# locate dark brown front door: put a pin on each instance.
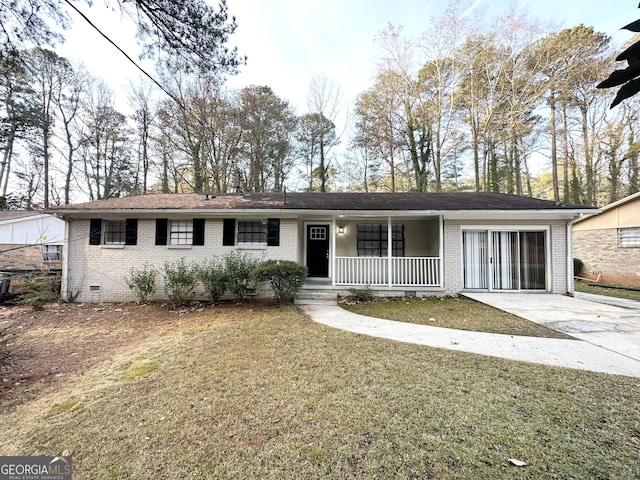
(318, 250)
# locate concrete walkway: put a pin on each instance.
(548, 351)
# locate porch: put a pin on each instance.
(376, 252)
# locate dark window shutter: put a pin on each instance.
(95, 231)
(273, 232)
(131, 231)
(229, 232)
(198, 231)
(162, 225)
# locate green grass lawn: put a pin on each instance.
(457, 312)
(263, 392)
(587, 287)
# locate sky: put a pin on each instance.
(287, 42)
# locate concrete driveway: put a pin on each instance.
(614, 325)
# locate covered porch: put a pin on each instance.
(375, 251)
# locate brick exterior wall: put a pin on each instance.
(104, 267)
(600, 253)
(557, 246)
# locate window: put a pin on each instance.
(52, 253)
(373, 240)
(252, 231)
(181, 232)
(629, 237)
(318, 233)
(114, 232)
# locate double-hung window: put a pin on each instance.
(181, 232)
(114, 232)
(252, 231)
(629, 237)
(373, 240)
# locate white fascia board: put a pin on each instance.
(514, 214)
(25, 218)
(286, 213)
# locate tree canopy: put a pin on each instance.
(187, 35)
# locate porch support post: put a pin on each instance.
(332, 252)
(389, 252)
(441, 253)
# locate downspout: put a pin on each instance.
(64, 284)
(570, 287)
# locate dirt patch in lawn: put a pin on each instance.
(65, 340)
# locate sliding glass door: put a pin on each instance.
(504, 260)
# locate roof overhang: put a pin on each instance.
(569, 214)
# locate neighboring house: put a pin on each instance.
(416, 243)
(30, 241)
(609, 243)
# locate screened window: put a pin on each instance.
(629, 237)
(181, 232)
(252, 231)
(115, 232)
(373, 240)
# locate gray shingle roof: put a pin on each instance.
(437, 201)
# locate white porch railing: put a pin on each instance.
(374, 271)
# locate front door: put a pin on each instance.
(318, 250)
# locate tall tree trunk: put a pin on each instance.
(588, 159)
(476, 154)
(45, 159)
(566, 194)
(554, 154)
(5, 167)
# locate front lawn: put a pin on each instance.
(452, 312)
(262, 392)
(618, 291)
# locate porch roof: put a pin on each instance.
(307, 202)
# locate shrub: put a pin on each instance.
(285, 277)
(238, 267)
(39, 290)
(361, 295)
(180, 280)
(214, 279)
(142, 281)
(578, 265)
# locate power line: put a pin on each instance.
(108, 39)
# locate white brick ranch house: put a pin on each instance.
(423, 243)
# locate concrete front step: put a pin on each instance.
(310, 297)
(311, 301)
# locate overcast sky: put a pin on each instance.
(287, 42)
